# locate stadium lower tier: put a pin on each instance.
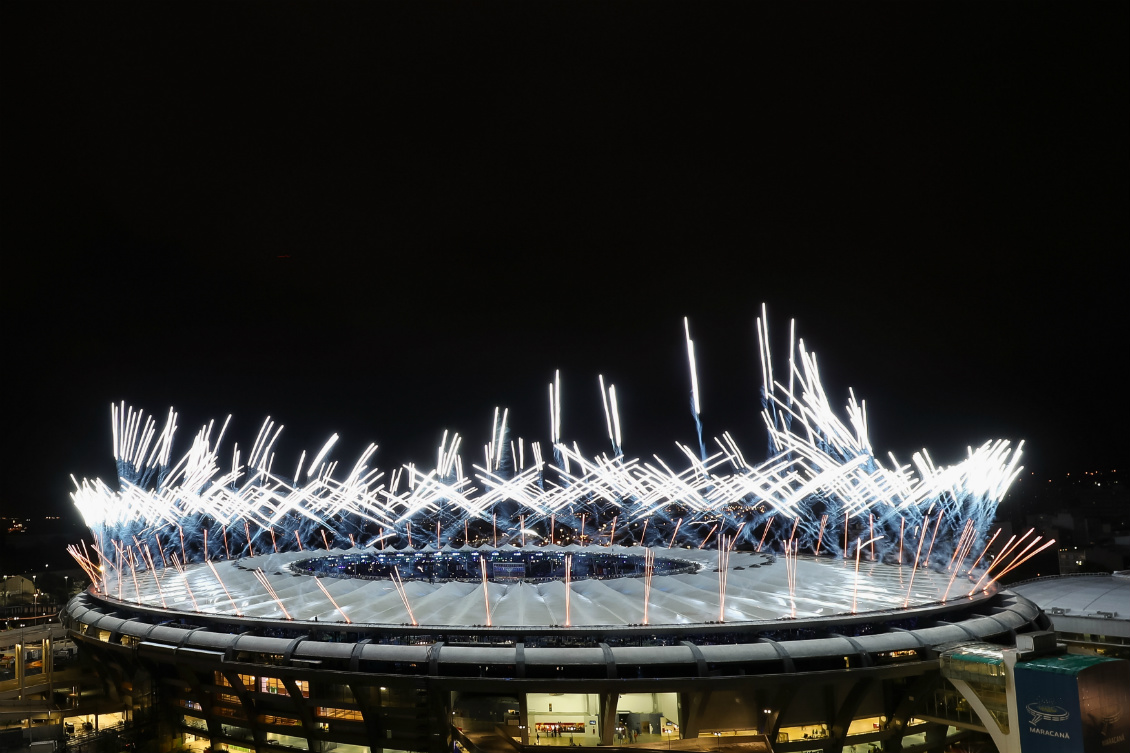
(805, 684)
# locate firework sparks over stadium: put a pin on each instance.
(823, 492)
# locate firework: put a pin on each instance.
(821, 472)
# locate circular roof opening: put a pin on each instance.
(500, 566)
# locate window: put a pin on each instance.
(233, 713)
(272, 685)
(332, 713)
(276, 686)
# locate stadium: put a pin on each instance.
(800, 603)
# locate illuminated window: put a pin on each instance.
(280, 720)
(332, 713)
(272, 685)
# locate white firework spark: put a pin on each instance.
(822, 473)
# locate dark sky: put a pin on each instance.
(386, 222)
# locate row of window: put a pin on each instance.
(272, 685)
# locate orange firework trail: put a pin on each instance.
(734, 539)
(932, 538)
(1018, 562)
(649, 571)
(790, 569)
(180, 567)
(164, 562)
(226, 591)
(960, 542)
(399, 584)
(963, 549)
(486, 593)
(83, 562)
(902, 524)
(723, 568)
(871, 523)
(921, 537)
(262, 578)
(983, 551)
(568, 588)
(153, 569)
(819, 538)
(1005, 551)
(675, 533)
(765, 533)
(331, 598)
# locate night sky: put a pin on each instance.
(385, 223)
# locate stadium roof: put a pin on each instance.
(1089, 604)
(757, 590)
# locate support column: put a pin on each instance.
(691, 705)
(781, 701)
(841, 718)
(304, 712)
(49, 665)
(935, 738)
(368, 698)
(20, 670)
(523, 718)
(440, 738)
(608, 702)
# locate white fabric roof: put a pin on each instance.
(824, 587)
